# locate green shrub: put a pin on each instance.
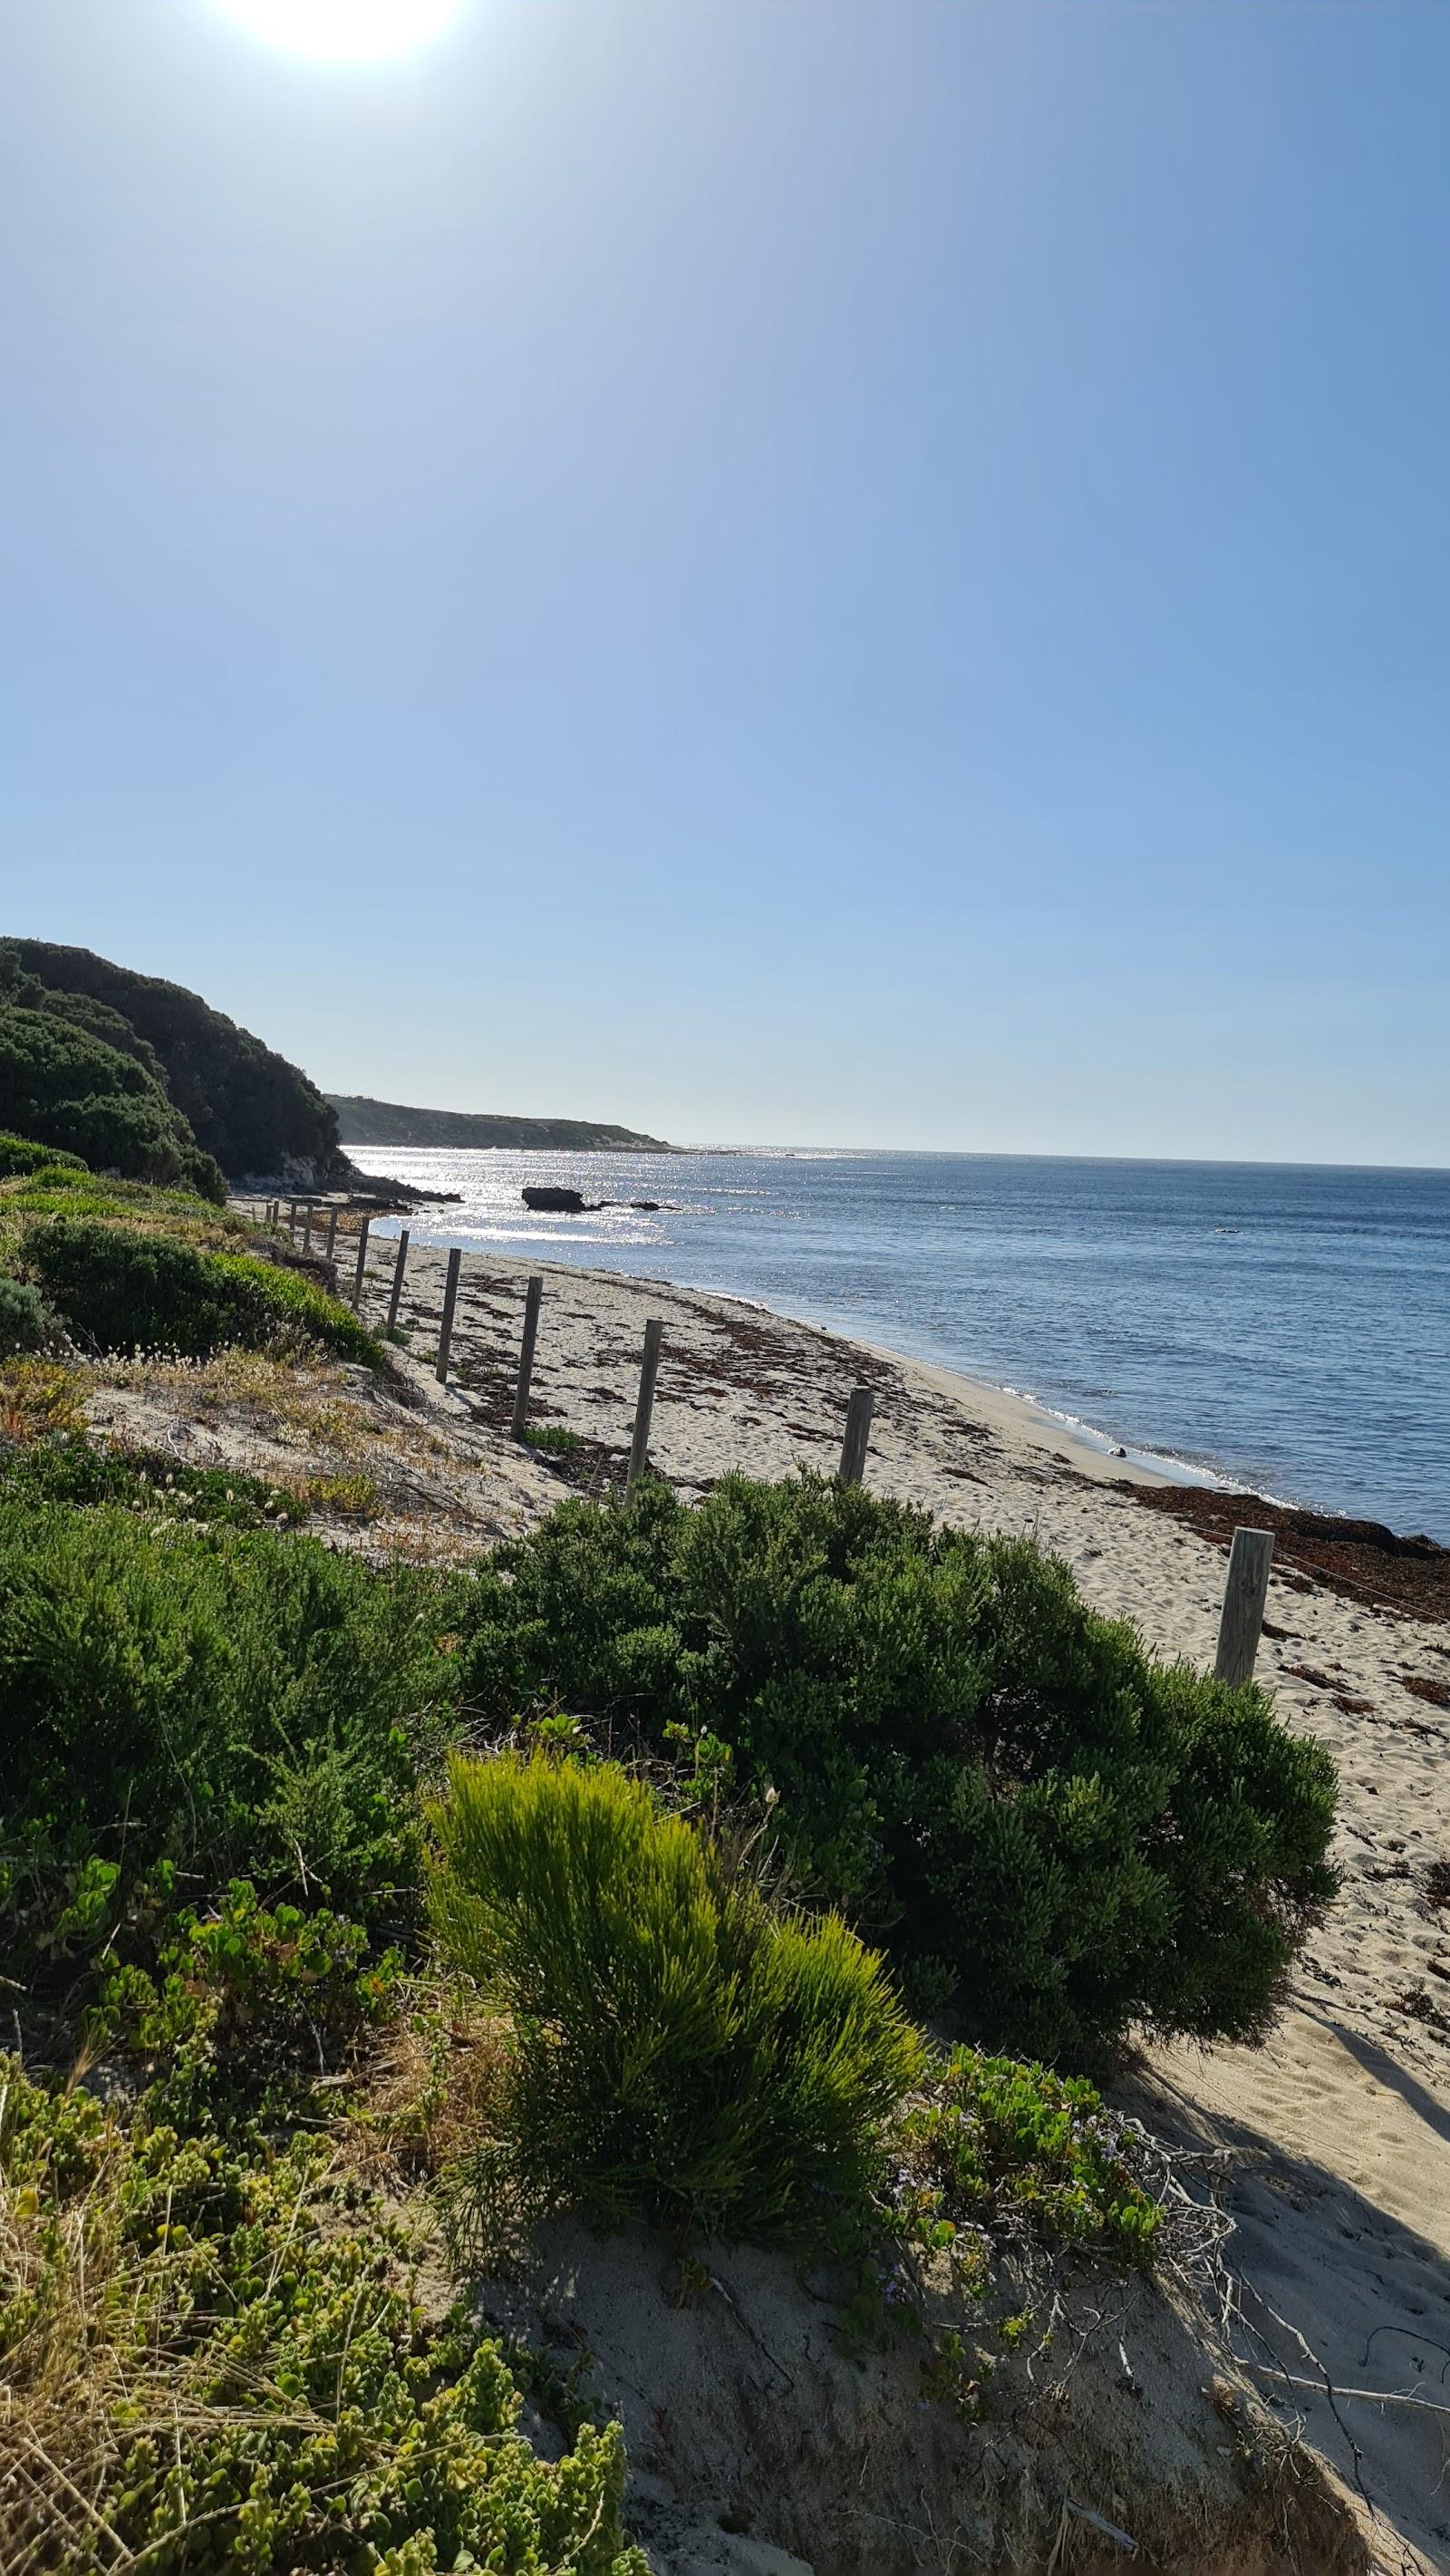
(215, 2359)
(680, 2051)
(66, 1470)
(22, 1154)
(203, 1173)
(23, 1321)
(246, 2005)
(63, 1087)
(222, 1703)
(999, 2142)
(1051, 1829)
(128, 1291)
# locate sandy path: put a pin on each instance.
(1340, 2124)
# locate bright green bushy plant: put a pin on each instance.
(128, 1291)
(1054, 1832)
(228, 1704)
(215, 2360)
(681, 2051)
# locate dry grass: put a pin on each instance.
(438, 2083)
(306, 1399)
(39, 1398)
(64, 2276)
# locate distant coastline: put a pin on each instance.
(1222, 1323)
(363, 1121)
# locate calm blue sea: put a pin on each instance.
(1287, 1328)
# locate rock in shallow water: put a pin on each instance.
(554, 1202)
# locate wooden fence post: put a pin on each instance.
(292, 1218)
(399, 1266)
(858, 1435)
(307, 1229)
(362, 1263)
(649, 1371)
(533, 1298)
(331, 1232)
(1244, 1596)
(450, 1300)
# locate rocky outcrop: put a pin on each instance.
(554, 1202)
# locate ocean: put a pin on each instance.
(1285, 1328)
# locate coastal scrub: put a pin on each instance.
(1054, 1833)
(128, 1291)
(681, 2051)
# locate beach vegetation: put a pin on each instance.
(69, 1189)
(554, 1439)
(197, 1704)
(24, 1322)
(1056, 1835)
(681, 2050)
(40, 1399)
(122, 1290)
(21, 1154)
(993, 2143)
(216, 2358)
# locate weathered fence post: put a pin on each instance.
(1244, 1596)
(450, 1300)
(399, 1266)
(331, 1231)
(272, 1207)
(292, 1218)
(649, 1371)
(533, 1297)
(307, 1229)
(858, 1435)
(362, 1264)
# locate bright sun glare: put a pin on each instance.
(343, 30)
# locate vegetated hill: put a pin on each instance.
(245, 1104)
(386, 1122)
(61, 1087)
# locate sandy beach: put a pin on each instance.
(1338, 2127)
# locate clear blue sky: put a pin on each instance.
(863, 571)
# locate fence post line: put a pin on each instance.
(649, 1371)
(533, 1297)
(858, 1434)
(399, 1266)
(331, 1232)
(1244, 1596)
(362, 1264)
(450, 1300)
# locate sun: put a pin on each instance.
(343, 30)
